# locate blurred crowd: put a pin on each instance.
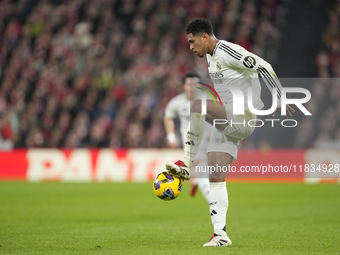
(99, 73)
(322, 130)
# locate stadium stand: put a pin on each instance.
(99, 73)
(323, 129)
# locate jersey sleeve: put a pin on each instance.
(237, 57)
(170, 109)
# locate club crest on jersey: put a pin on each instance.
(249, 62)
(218, 65)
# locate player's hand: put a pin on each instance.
(289, 111)
(172, 141)
(173, 145)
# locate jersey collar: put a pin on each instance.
(218, 44)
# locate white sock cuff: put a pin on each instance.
(195, 116)
(217, 185)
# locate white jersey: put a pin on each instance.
(232, 65)
(179, 106)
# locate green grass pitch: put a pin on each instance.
(127, 218)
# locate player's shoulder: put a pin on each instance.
(230, 49)
(180, 98)
(229, 45)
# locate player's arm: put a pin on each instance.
(266, 71)
(170, 132)
(269, 76)
(169, 125)
(239, 58)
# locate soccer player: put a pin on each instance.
(229, 65)
(179, 106)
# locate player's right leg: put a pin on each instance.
(195, 133)
(222, 150)
(218, 198)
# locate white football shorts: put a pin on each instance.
(237, 130)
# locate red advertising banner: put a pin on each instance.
(13, 165)
(107, 165)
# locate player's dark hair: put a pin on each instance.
(190, 75)
(199, 26)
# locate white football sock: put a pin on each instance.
(218, 203)
(194, 137)
(204, 186)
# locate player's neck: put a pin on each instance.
(212, 44)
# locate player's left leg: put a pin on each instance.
(195, 134)
(218, 198)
